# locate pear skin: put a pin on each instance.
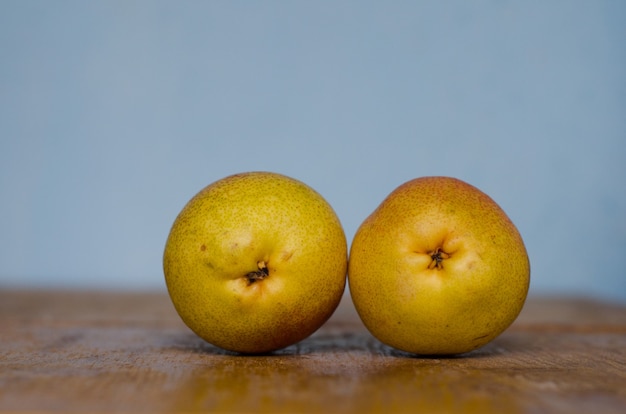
(438, 268)
(255, 262)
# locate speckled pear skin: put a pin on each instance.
(438, 268)
(255, 262)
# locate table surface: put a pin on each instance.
(104, 352)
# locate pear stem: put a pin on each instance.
(437, 257)
(259, 274)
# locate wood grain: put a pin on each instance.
(104, 352)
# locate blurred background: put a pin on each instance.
(113, 114)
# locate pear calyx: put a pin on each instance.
(437, 256)
(259, 274)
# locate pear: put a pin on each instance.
(438, 268)
(255, 262)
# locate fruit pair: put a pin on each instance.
(257, 261)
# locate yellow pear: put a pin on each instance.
(255, 262)
(438, 268)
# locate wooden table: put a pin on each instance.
(104, 352)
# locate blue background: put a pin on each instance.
(113, 114)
